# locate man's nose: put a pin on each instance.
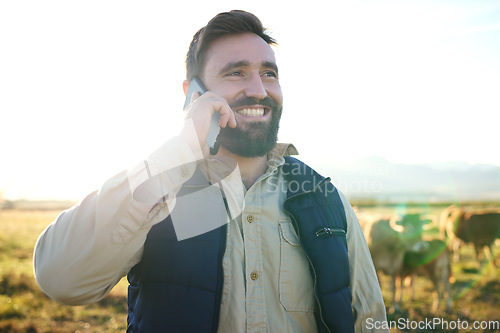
(255, 87)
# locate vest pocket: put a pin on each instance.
(295, 285)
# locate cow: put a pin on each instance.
(431, 259)
(481, 228)
(389, 238)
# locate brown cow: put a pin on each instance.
(480, 228)
(430, 259)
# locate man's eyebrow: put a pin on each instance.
(233, 65)
(271, 65)
(242, 63)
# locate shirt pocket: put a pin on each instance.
(295, 282)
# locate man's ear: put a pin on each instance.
(185, 86)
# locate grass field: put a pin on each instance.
(24, 308)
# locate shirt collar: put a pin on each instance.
(276, 157)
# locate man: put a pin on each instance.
(246, 240)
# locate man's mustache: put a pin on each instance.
(247, 101)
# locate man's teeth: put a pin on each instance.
(251, 112)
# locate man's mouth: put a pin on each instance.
(251, 112)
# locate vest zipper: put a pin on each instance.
(307, 255)
(327, 231)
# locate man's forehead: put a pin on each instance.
(245, 49)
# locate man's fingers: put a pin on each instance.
(200, 110)
(194, 96)
(227, 117)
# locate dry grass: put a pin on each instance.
(23, 307)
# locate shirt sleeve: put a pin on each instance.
(367, 302)
(81, 256)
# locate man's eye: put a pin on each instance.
(271, 74)
(235, 73)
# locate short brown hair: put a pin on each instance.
(233, 22)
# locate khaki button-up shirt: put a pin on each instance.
(267, 284)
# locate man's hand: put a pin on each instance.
(200, 112)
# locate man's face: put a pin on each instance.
(242, 69)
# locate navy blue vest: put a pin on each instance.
(177, 286)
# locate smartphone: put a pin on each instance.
(197, 86)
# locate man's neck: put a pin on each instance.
(251, 168)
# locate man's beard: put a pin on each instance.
(259, 138)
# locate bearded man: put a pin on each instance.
(242, 239)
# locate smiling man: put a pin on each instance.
(246, 240)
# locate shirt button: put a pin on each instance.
(184, 172)
(250, 218)
(254, 276)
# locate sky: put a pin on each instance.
(88, 88)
